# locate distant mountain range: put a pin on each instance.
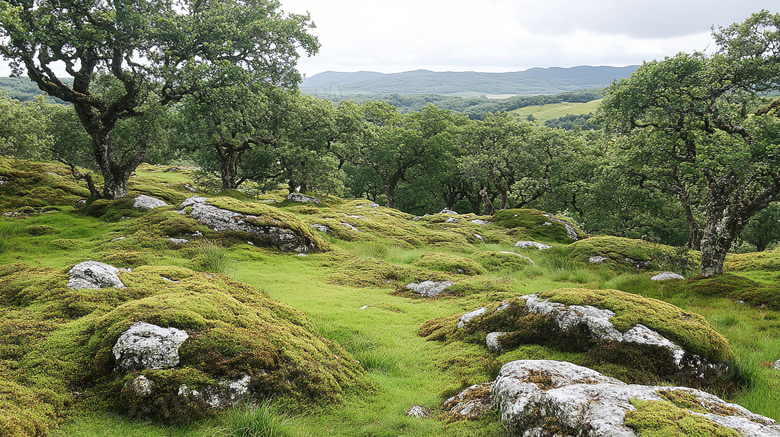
(534, 81)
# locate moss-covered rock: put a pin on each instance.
(503, 261)
(234, 331)
(632, 254)
(537, 225)
(604, 337)
(735, 287)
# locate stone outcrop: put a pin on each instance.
(529, 244)
(148, 202)
(224, 393)
(665, 276)
(94, 275)
(553, 398)
(429, 288)
(301, 198)
(222, 220)
(571, 231)
(149, 346)
(600, 327)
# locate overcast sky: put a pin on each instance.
(504, 35)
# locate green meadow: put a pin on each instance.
(352, 292)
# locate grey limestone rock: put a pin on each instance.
(148, 202)
(224, 393)
(448, 212)
(665, 276)
(600, 327)
(492, 342)
(777, 365)
(150, 346)
(223, 220)
(529, 244)
(595, 259)
(529, 392)
(298, 197)
(571, 232)
(429, 288)
(94, 275)
(472, 403)
(320, 227)
(417, 411)
(179, 241)
(517, 254)
(470, 315)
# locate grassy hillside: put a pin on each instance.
(543, 113)
(350, 294)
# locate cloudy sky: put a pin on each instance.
(508, 35)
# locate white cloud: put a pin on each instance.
(506, 35)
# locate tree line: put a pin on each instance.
(688, 153)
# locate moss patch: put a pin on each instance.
(630, 254)
(57, 341)
(503, 261)
(735, 287)
(665, 419)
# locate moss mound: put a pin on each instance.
(735, 287)
(640, 363)
(537, 225)
(768, 260)
(37, 184)
(631, 254)
(503, 261)
(443, 262)
(57, 340)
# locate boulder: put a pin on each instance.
(491, 340)
(94, 275)
(418, 411)
(224, 393)
(596, 259)
(650, 339)
(149, 346)
(429, 288)
(448, 211)
(320, 227)
(777, 365)
(480, 222)
(222, 220)
(148, 202)
(179, 241)
(472, 403)
(195, 200)
(600, 327)
(665, 276)
(529, 244)
(571, 231)
(546, 398)
(298, 197)
(470, 315)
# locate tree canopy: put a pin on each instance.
(158, 51)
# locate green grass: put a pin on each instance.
(543, 113)
(352, 292)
